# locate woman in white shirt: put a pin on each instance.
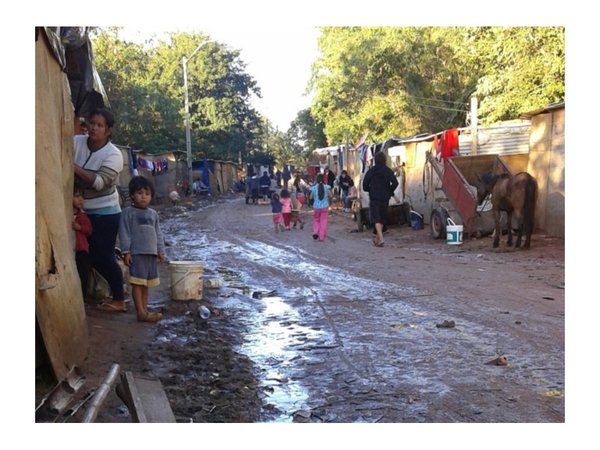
(97, 164)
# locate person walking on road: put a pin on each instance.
(321, 196)
(265, 185)
(286, 207)
(276, 208)
(380, 182)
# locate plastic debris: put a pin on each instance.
(446, 324)
(499, 361)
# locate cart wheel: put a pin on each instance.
(437, 223)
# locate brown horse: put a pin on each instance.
(515, 195)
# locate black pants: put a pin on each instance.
(102, 251)
(82, 259)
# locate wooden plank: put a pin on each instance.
(146, 399)
(59, 308)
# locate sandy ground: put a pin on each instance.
(380, 355)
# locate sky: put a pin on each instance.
(278, 58)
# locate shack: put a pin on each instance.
(219, 176)
(66, 88)
(547, 164)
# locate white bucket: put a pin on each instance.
(186, 280)
(454, 233)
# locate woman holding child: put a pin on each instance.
(97, 164)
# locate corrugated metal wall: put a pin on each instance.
(498, 140)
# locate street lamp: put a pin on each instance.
(188, 138)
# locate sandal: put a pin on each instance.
(377, 244)
(110, 307)
(151, 317)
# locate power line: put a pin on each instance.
(437, 100)
(440, 107)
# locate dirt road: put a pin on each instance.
(341, 331)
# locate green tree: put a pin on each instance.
(145, 86)
(393, 81)
(223, 122)
(524, 70)
(147, 117)
(305, 135)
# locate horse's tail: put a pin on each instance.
(531, 188)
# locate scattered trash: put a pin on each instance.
(213, 283)
(302, 416)
(548, 298)
(203, 312)
(554, 393)
(174, 197)
(57, 400)
(499, 361)
(279, 380)
(518, 322)
(259, 294)
(446, 324)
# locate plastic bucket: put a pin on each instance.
(186, 280)
(454, 233)
(416, 220)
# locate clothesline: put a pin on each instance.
(157, 167)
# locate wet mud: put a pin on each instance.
(341, 331)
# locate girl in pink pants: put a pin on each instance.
(321, 195)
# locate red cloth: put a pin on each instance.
(450, 143)
(81, 242)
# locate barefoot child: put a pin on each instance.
(142, 245)
(286, 208)
(276, 210)
(296, 217)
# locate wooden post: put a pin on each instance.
(473, 126)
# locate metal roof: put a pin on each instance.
(552, 107)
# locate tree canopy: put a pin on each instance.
(393, 81)
(145, 86)
(388, 81)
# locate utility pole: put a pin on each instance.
(473, 125)
(188, 137)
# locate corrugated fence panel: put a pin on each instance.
(501, 140)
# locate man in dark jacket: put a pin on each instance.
(265, 184)
(380, 182)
